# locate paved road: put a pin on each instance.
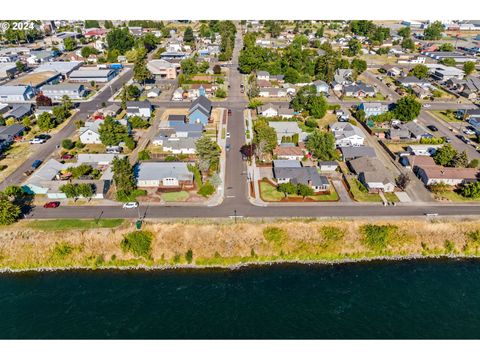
(45, 150)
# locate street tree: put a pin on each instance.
(403, 180)
(46, 121)
(407, 108)
(123, 178)
(209, 150)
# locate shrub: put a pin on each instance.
(68, 144)
(138, 243)
(206, 190)
(189, 256)
(62, 250)
(377, 236)
(332, 233)
(312, 123)
(275, 235)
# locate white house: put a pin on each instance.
(139, 108)
(166, 174)
(347, 134)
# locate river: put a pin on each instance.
(405, 299)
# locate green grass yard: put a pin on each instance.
(73, 224)
(175, 196)
(269, 193)
(443, 115)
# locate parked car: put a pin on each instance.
(228, 135)
(130, 205)
(229, 111)
(463, 138)
(432, 127)
(52, 204)
(468, 131)
(426, 105)
(43, 136)
(67, 156)
(36, 164)
(113, 149)
(448, 140)
(227, 147)
(37, 140)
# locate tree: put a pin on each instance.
(460, 160)
(208, 150)
(87, 51)
(469, 67)
(221, 93)
(475, 163)
(319, 32)
(141, 72)
(67, 144)
(69, 44)
(123, 178)
(358, 65)
(120, 39)
(264, 137)
(144, 155)
(70, 190)
(46, 122)
(85, 190)
(92, 24)
(287, 188)
(444, 156)
(420, 71)
(138, 122)
(112, 132)
(217, 69)
(21, 67)
(405, 32)
(248, 150)
(304, 190)
(42, 100)
(408, 44)
(188, 35)
(448, 62)
(354, 47)
(60, 113)
(447, 47)
(407, 108)
(9, 212)
(433, 31)
(403, 180)
(471, 190)
(189, 66)
(322, 145)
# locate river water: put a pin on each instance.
(405, 299)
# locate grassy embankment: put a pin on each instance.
(64, 244)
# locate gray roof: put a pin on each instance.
(19, 111)
(181, 143)
(63, 67)
(301, 175)
(94, 73)
(287, 163)
(47, 172)
(13, 89)
(64, 87)
(359, 87)
(97, 158)
(138, 105)
(352, 152)
(371, 169)
(175, 117)
(201, 103)
(162, 170)
(11, 130)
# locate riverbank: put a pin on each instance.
(36, 245)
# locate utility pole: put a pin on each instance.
(235, 215)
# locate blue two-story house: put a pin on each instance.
(200, 111)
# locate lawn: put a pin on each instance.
(269, 193)
(328, 119)
(360, 193)
(453, 196)
(443, 115)
(175, 196)
(14, 157)
(73, 224)
(378, 97)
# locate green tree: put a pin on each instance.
(138, 122)
(322, 145)
(408, 44)
(123, 178)
(70, 44)
(264, 137)
(112, 132)
(85, 190)
(469, 67)
(144, 155)
(460, 160)
(188, 35)
(120, 39)
(420, 71)
(287, 188)
(448, 62)
(9, 212)
(46, 122)
(471, 190)
(67, 144)
(21, 67)
(92, 24)
(70, 190)
(189, 66)
(407, 108)
(141, 72)
(405, 32)
(221, 93)
(208, 151)
(445, 155)
(358, 65)
(304, 190)
(433, 31)
(87, 51)
(447, 47)
(60, 113)
(354, 47)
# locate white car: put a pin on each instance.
(426, 105)
(37, 141)
(130, 205)
(468, 131)
(228, 135)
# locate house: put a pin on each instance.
(40, 56)
(177, 95)
(197, 90)
(436, 174)
(63, 67)
(423, 149)
(194, 130)
(8, 70)
(97, 159)
(355, 152)
(200, 110)
(10, 132)
(19, 111)
(285, 171)
(342, 77)
(272, 92)
(468, 114)
(443, 73)
(272, 110)
(90, 134)
(139, 108)
(469, 87)
(163, 174)
(414, 161)
(37, 79)
(373, 174)
(328, 166)
(286, 130)
(57, 92)
(153, 93)
(263, 75)
(180, 145)
(409, 81)
(359, 90)
(347, 134)
(288, 152)
(373, 108)
(321, 87)
(416, 130)
(441, 55)
(163, 69)
(176, 119)
(95, 75)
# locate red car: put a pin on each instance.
(67, 156)
(52, 204)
